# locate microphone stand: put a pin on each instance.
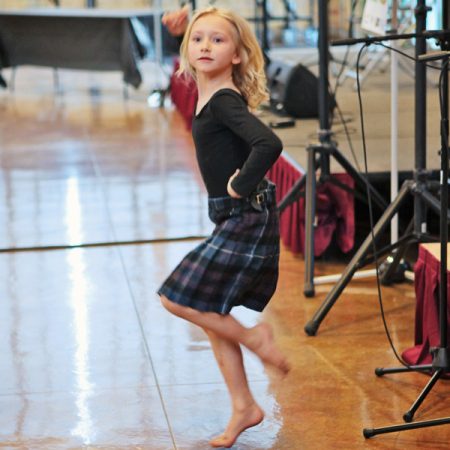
(319, 157)
(419, 186)
(441, 354)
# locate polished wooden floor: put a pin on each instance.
(100, 199)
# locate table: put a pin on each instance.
(87, 39)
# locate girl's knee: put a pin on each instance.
(211, 334)
(172, 307)
(169, 305)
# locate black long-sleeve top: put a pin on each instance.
(227, 137)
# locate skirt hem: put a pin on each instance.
(207, 307)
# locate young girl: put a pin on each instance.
(238, 264)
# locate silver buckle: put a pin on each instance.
(259, 198)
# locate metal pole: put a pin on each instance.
(265, 31)
(324, 109)
(394, 121)
(444, 189)
(420, 155)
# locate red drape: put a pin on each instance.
(183, 92)
(334, 211)
(426, 282)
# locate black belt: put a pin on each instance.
(263, 195)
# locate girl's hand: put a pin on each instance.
(176, 21)
(230, 190)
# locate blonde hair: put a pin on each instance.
(249, 75)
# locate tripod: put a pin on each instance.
(420, 187)
(441, 354)
(319, 157)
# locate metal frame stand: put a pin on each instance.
(319, 157)
(420, 187)
(441, 355)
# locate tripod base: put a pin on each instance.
(408, 416)
(311, 328)
(320, 156)
(308, 290)
(380, 371)
(370, 432)
(418, 189)
(441, 361)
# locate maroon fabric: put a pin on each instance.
(183, 92)
(284, 175)
(334, 210)
(427, 335)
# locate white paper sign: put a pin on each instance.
(375, 16)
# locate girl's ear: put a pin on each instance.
(236, 59)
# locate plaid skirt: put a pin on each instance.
(238, 263)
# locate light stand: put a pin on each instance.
(420, 186)
(441, 354)
(265, 25)
(394, 118)
(319, 157)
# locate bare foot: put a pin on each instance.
(264, 346)
(240, 421)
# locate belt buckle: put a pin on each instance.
(259, 198)
(257, 201)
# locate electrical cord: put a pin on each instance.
(371, 219)
(333, 93)
(350, 143)
(412, 58)
(347, 51)
(444, 70)
(344, 63)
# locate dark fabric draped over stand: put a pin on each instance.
(335, 211)
(426, 281)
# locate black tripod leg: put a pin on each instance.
(380, 371)
(408, 416)
(359, 179)
(312, 326)
(370, 432)
(433, 203)
(293, 194)
(387, 277)
(310, 213)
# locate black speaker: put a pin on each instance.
(294, 90)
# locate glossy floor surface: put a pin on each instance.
(101, 197)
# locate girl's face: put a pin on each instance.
(211, 48)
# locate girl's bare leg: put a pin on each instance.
(245, 411)
(258, 339)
